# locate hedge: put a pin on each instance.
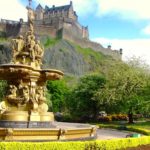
(128, 128)
(114, 144)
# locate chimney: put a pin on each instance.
(121, 51)
(109, 47)
(70, 2)
(53, 6)
(21, 20)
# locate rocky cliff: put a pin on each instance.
(5, 52)
(64, 55)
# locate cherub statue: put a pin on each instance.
(17, 46)
(12, 94)
(39, 51)
(41, 99)
(31, 17)
(30, 44)
(23, 92)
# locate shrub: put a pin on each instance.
(137, 116)
(119, 117)
(105, 119)
(114, 117)
(114, 144)
(67, 118)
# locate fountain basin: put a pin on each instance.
(13, 72)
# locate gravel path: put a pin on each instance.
(101, 133)
(111, 134)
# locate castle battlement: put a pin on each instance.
(5, 21)
(58, 16)
(57, 22)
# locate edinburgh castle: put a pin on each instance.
(57, 22)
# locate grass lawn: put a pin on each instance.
(145, 125)
(141, 125)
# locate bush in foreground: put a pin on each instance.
(114, 144)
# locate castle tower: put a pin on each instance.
(85, 32)
(39, 13)
(71, 13)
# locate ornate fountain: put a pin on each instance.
(25, 103)
(24, 111)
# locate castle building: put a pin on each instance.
(57, 22)
(62, 17)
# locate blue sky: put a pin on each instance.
(121, 23)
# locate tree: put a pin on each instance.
(82, 104)
(49, 101)
(123, 91)
(58, 91)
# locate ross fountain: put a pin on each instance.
(23, 112)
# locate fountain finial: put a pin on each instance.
(30, 16)
(30, 1)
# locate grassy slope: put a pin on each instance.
(139, 127)
(96, 61)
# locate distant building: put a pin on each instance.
(61, 17)
(57, 22)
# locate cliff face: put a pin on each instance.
(66, 56)
(5, 53)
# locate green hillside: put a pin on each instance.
(73, 59)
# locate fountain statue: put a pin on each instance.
(25, 102)
(24, 111)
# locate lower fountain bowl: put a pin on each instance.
(52, 132)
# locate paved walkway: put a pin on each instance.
(111, 134)
(101, 133)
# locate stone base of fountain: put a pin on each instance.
(30, 131)
(26, 124)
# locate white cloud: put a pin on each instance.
(83, 7)
(12, 10)
(134, 47)
(128, 9)
(146, 30)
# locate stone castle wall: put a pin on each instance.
(40, 30)
(69, 31)
(12, 29)
(2, 27)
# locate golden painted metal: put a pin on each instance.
(25, 99)
(16, 134)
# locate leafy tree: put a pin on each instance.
(49, 101)
(124, 88)
(81, 101)
(58, 91)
